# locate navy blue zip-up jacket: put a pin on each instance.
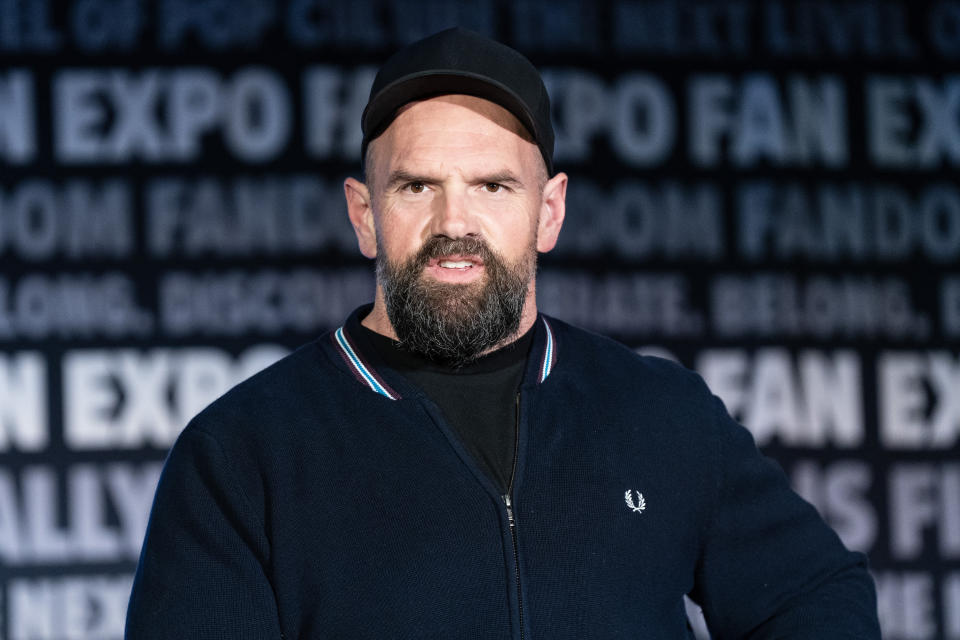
(325, 497)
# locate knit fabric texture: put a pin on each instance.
(306, 504)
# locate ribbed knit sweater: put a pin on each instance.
(325, 497)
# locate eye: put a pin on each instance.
(493, 187)
(416, 187)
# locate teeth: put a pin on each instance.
(455, 264)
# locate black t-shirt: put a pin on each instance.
(480, 401)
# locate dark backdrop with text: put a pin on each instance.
(765, 191)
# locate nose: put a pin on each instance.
(452, 216)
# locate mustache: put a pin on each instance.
(439, 246)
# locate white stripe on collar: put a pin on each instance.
(359, 366)
(547, 366)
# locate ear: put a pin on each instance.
(360, 211)
(552, 211)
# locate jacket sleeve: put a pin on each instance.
(201, 571)
(770, 567)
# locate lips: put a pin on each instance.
(455, 268)
(459, 262)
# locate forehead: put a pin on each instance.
(453, 128)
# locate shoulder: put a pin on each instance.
(598, 360)
(637, 398)
(274, 396)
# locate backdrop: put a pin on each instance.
(766, 191)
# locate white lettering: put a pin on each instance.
(636, 114)
(358, 24)
(545, 25)
(581, 96)
(951, 606)
(643, 99)
(163, 115)
(839, 491)
(195, 106)
(924, 497)
(18, 143)
(682, 29)
(643, 220)
(27, 27)
(70, 608)
(333, 102)
(275, 215)
(120, 399)
(943, 25)
(848, 221)
(635, 303)
(107, 508)
(905, 603)
(773, 305)
(837, 30)
(99, 25)
(40, 219)
(23, 402)
(813, 403)
(258, 117)
(907, 419)
(39, 307)
(215, 24)
(234, 303)
(758, 122)
(913, 122)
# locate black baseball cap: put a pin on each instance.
(460, 61)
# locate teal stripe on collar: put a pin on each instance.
(360, 368)
(548, 353)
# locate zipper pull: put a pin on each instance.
(506, 501)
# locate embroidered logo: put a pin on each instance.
(639, 505)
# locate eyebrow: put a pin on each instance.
(402, 176)
(503, 177)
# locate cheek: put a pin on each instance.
(400, 236)
(518, 226)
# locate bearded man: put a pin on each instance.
(452, 464)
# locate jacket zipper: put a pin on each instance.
(513, 524)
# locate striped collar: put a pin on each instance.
(549, 352)
(366, 374)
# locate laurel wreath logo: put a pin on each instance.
(639, 505)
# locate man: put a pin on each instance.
(450, 463)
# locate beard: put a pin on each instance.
(449, 323)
